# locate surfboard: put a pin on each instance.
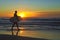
(14, 19)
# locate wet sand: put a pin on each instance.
(14, 37)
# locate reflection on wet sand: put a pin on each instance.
(16, 32)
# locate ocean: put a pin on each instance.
(36, 28)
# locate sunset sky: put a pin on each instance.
(30, 8)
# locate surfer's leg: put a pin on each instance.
(17, 25)
(17, 29)
(12, 28)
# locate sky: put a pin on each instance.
(37, 8)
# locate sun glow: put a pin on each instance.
(22, 14)
(27, 14)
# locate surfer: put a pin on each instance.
(15, 19)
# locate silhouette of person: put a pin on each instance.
(15, 21)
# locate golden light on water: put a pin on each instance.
(21, 32)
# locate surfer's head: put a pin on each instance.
(15, 11)
(15, 14)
